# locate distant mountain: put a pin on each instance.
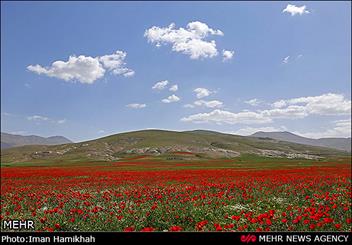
(335, 143)
(12, 140)
(187, 145)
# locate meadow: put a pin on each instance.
(144, 193)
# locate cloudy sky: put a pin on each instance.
(87, 69)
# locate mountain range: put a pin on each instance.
(335, 143)
(12, 140)
(195, 145)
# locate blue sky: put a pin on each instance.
(286, 66)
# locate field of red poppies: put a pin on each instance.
(143, 195)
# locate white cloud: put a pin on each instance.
(188, 106)
(286, 60)
(251, 130)
(227, 55)
(85, 69)
(160, 85)
(219, 117)
(278, 104)
(324, 105)
(209, 104)
(293, 10)
(171, 98)
(37, 118)
(190, 41)
(116, 63)
(290, 112)
(253, 102)
(174, 88)
(6, 114)
(202, 92)
(21, 132)
(341, 128)
(202, 29)
(62, 121)
(136, 106)
(198, 48)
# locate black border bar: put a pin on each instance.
(178, 237)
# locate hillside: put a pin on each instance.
(193, 144)
(343, 144)
(12, 140)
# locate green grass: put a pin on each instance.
(246, 161)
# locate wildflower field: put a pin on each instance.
(144, 194)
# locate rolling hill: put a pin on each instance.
(12, 140)
(196, 144)
(343, 144)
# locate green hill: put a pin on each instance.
(189, 144)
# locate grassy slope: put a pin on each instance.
(119, 143)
